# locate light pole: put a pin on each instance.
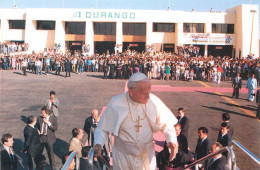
(253, 11)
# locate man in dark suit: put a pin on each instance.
(31, 141)
(47, 125)
(218, 162)
(84, 160)
(182, 156)
(226, 119)
(7, 155)
(67, 67)
(236, 84)
(203, 145)
(223, 138)
(90, 125)
(258, 103)
(184, 121)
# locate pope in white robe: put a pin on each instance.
(132, 118)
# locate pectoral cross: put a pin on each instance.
(138, 124)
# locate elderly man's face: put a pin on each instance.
(141, 92)
(95, 114)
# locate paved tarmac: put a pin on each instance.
(22, 96)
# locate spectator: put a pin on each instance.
(32, 145)
(258, 104)
(203, 144)
(251, 86)
(90, 126)
(226, 119)
(53, 104)
(47, 125)
(224, 137)
(84, 160)
(184, 121)
(75, 142)
(8, 157)
(218, 162)
(236, 84)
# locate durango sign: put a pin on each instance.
(105, 15)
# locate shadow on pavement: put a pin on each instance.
(96, 76)
(33, 108)
(228, 111)
(60, 148)
(244, 107)
(217, 94)
(24, 119)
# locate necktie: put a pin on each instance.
(11, 155)
(44, 130)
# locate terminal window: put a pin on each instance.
(163, 27)
(45, 25)
(16, 24)
(105, 28)
(134, 29)
(193, 27)
(78, 28)
(223, 28)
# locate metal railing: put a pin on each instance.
(250, 154)
(71, 157)
(231, 160)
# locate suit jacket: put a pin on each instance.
(218, 164)
(55, 108)
(231, 129)
(87, 128)
(84, 164)
(225, 140)
(75, 146)
(50, 130)
(31, 141)
(184, 125)
(236, 84)
(6, 162)
(202, 149)
(258, 96)
(183, 143)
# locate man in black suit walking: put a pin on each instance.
(7, 155)
(203, 145)
(218, 161)
(47, 125)
(236, 84)
(184, 121)
(31, 141)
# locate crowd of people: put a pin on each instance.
(12, 47)
(188, 65)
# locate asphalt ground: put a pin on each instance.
(22, 96)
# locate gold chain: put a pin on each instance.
(131, 112)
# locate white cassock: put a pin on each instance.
(135, 150)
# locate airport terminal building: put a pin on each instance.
(234, 32)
